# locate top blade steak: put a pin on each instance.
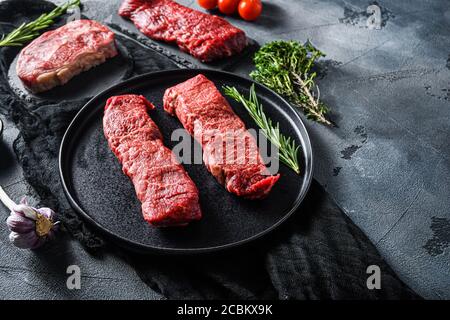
(204, 36)
(230, 152)
(58, 55)
(169, 197)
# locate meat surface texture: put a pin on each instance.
(58, 55)
(204, 36)
(230, 152)
(168, 195)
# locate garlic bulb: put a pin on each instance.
(30, 227)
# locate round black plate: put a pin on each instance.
(85, 85)
(97, 189)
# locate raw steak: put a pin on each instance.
(229, 151)
(59, 55)
(206, 37)
(168, 195)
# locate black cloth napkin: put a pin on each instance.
(317, 254)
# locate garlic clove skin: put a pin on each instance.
(31, 227)
(46, 212)
(20, 224)
(26, 211)
(29, 240)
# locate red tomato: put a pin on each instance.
(250, 9)
(207, 4)
(228, 6)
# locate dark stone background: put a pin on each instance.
(387, 164)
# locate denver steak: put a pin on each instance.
(168, 195)
(204, 36)
(58, 55)
(229, 151)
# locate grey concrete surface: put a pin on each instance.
(387, 164)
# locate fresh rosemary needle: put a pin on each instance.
(29, 31)
(287, 148)
(286, 67)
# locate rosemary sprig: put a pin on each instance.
(287, 148)
(285, 66)
(29, 31)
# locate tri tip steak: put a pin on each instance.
(58, 55)
(204, 36)
(230, 152)
(168, 195)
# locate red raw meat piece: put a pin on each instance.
(207, 116)
(204, 36)
(169, 197)
(58, 55)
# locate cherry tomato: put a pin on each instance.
(228, 6)
(250, 9)
(207, 4)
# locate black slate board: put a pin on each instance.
(97, 188)
(173, 52)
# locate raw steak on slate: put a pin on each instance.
(204, 36)
(58, 55)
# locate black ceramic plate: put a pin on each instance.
(97, 189)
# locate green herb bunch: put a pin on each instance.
(287, 148)
(285, 67)
(29, 31)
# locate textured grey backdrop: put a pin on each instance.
(387, 164)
